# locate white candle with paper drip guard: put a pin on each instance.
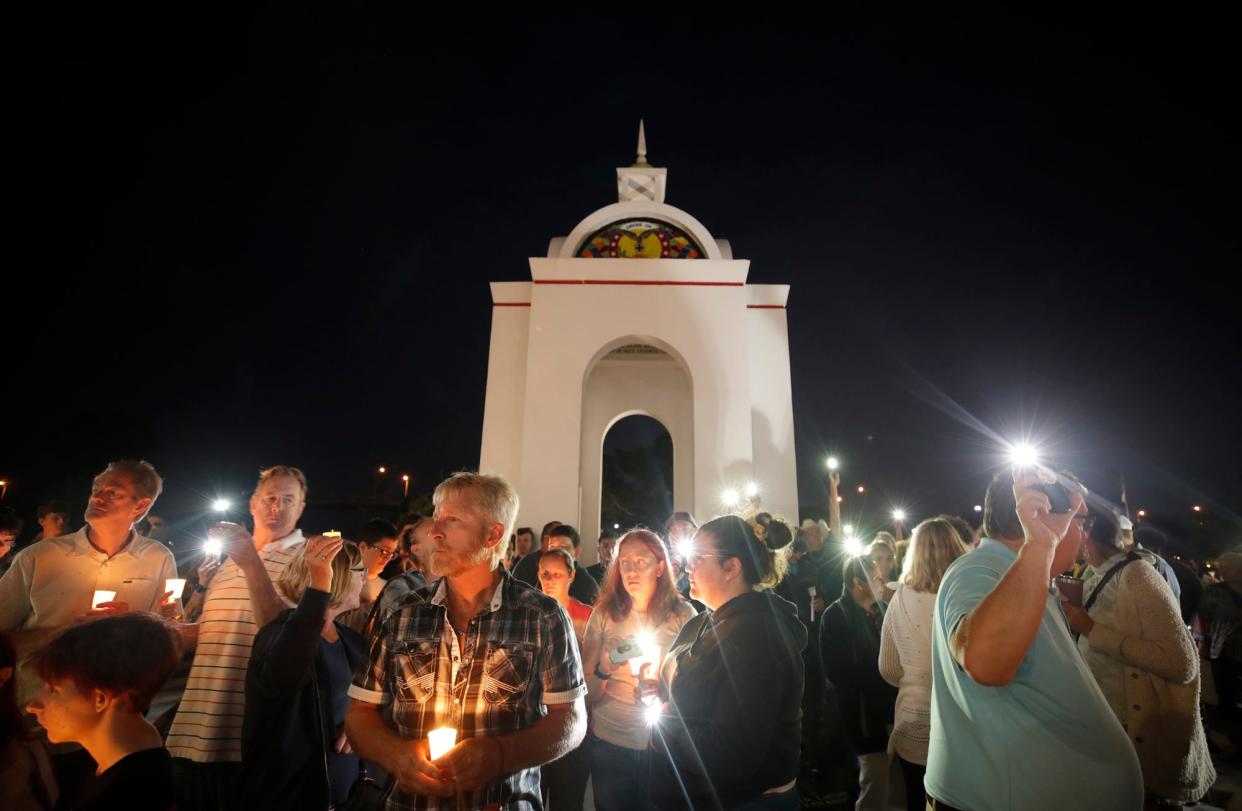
(332, 533)
(441, 740)
(102, 597)
(650, 656)
(177, 586)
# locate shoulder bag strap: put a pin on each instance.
(1095, 592)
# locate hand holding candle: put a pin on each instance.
(101, 597)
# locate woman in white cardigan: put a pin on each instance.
(905, 647)
(1132, 637)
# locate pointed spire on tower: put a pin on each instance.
(642, 181)
(642, 145)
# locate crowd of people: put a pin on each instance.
(1045, 659)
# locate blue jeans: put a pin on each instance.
(619, 776)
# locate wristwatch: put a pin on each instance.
(601, 676)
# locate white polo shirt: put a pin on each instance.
(208, 725)
(51, 583)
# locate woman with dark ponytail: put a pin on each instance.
(729, 733)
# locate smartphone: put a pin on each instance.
(1058, 488)
(623, 651)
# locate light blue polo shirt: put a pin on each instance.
(1045, 740)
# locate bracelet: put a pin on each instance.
(601, 676)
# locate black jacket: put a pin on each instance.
(733, 726)
(283, 732)
(851, 658)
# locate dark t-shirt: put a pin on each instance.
(138, 782)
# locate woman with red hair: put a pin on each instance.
(636, 618)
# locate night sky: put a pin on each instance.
(249, 240)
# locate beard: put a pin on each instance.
(447, 563)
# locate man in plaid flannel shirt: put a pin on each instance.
(478, 651)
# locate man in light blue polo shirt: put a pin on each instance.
(1017, 721)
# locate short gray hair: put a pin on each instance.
(496, 499)
(141, 474)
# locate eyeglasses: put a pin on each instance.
(639, 565)
(693, 559)
(384, 554)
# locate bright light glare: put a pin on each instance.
(1023, 454)
(752, 489)
(652, 715)
(899, 515)
(221, 505)
(861, 489)
(978, 508)
(849, 529)
(383, 469)
(854, 547)
(1142, 513)
(729, 497)
(833, 463)
(616, 526)
(212, 546)
(684, 548)
(1197, 508)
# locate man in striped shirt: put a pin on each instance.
(205, 739)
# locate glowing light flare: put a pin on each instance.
(684, 548)
(213, 546)
(616, 526)
(1023, 454)
(382, 469)
(440, 741)
(849, 529)
(899, 515)
(978, 508)
(221, 505)
(650, 656)
(1197, 508)
(652, 714)
(752, 489)
(840, 499)
(1142, 513)
(832, 463)
(854, 547)
(729, 498)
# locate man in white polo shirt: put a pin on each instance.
(205, 739)
(52, 584)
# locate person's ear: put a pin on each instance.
(141, 506)
(732, 568)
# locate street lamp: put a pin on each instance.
(382, 470)
(4, 488)
(861, 489)
(1197, 508)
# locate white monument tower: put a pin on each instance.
(640, 310)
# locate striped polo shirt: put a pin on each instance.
(208, 726)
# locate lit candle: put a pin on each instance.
(441, 740)
(102, 597)
(332, 534)
(176, 585)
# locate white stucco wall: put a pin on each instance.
(729, 337)
(615, 388)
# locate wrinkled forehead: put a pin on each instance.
(113, 478)
(279, 486)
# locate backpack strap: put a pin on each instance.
(1095, 592)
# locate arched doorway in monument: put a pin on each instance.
(634, 376)
(636, 485)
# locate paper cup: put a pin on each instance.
(102, 597)
(441, 740)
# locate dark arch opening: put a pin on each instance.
(637, 480)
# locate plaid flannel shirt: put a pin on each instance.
(519, 656)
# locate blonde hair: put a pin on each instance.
(269, 473)
(296, 576)
(934, 544)
(496, 501)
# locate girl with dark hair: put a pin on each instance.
(730, 733)
(637, 616)
(26, 781)
(849, 644)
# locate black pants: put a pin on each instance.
(916, 797)
(205, 786)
